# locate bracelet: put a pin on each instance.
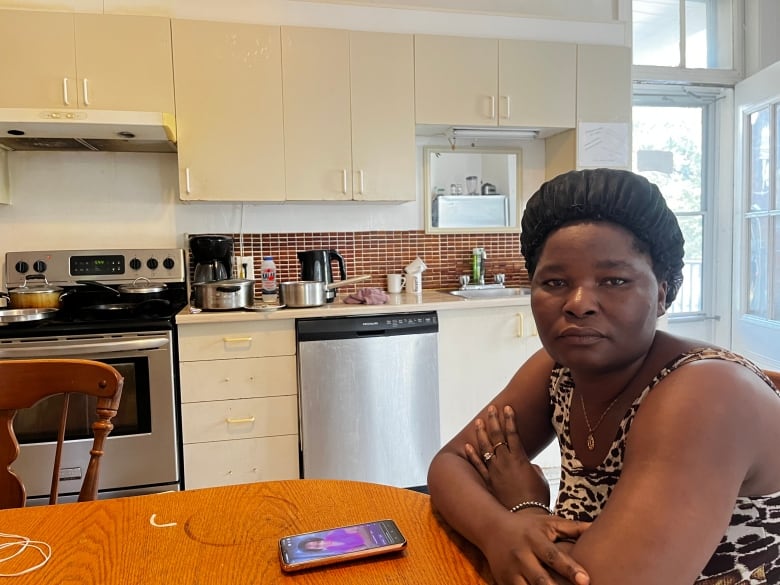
(531, 504)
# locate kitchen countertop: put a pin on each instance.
(430, 300)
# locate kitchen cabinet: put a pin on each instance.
(492, 82)
(229, 111)
(96, 61)
(479, 352)
(348, 115)
(603, 96)
(603, 84)
(239, 406)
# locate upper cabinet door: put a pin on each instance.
(603, 83)
(38, 68)
(456, 80)
(124, 62)
(537, 84)
(105, 62)
(229, 111)
(317, 133)
(382, 90)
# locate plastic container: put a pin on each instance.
(270, 286)
(478, 256)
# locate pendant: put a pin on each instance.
(591, 442)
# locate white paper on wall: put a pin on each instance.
(603, 145)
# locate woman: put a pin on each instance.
(669, 447)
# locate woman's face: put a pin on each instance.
(594, 297)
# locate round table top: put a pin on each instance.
(230, 535)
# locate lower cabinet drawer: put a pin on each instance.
(242, 461)
(239, 378)
(225, 420)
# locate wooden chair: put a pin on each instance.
(774, 376)
(23, 383)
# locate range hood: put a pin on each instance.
(87, 130)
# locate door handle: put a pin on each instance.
(85, 85)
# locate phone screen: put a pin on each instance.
(312, 549)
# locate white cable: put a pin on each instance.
(22, 543)
(241, 243)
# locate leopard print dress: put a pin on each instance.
(749, 552)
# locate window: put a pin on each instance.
(684, 54)
(668, 140)
(689, 34)
(762, 298)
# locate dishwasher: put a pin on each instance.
(368, 397)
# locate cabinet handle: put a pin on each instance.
(344, 181)
(492, 107)
(520, 324)
(235, 421)
(85, 85)
(360, 182)
(508, 101)
(236, 339)
(187, 180)
(65, 91)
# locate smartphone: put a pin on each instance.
(343, 543)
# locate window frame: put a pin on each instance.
(704, 98)
(694, 76)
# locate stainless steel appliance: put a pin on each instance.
(368, 397)
(470, 211)
(317, 265)
(136, 337)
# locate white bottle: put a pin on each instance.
(269, 289)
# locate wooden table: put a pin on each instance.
(229, 535)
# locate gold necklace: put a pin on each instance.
(591, 440)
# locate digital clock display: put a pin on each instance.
(97, 265)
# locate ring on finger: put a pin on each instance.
(487, 456)
(497, 445)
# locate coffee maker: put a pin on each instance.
(316, 265)
(211, 257)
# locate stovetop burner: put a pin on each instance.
(91, 281)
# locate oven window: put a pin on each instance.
(39, 424)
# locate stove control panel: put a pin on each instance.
(66, 267)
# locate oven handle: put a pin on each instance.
(85, 348)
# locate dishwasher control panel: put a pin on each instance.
(367, 326)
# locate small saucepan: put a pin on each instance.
(311, 293)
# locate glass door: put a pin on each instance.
(756, 314)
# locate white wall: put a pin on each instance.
(763, 48)
(94, 200)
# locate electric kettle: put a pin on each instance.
(317, 265)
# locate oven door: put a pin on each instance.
(141, 453)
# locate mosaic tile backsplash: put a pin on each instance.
(379, 253)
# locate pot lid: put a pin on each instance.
(42, 288)
(145, 287)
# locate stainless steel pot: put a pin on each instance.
(223, 295)
(311, 293)
(37, 296)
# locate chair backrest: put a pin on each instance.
(774, 376)
(23, 383)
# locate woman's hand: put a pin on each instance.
(524, 551)
(525, 548)
(500, 459)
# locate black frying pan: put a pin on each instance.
(126, 309)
